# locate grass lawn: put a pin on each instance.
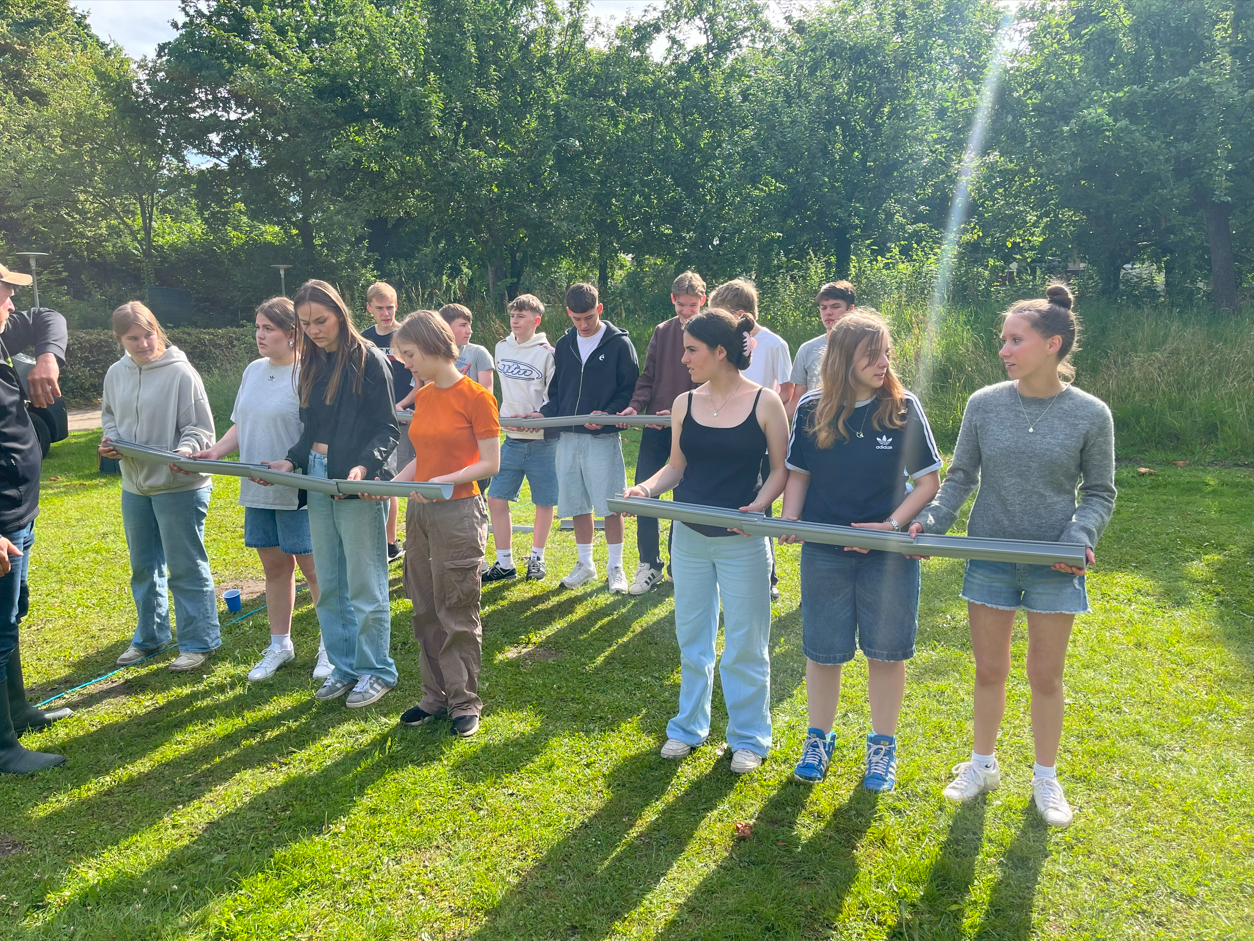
(202, 806)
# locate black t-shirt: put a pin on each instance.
(402, 378)
(861, 480)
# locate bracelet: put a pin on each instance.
(645, 488)
(894, 524)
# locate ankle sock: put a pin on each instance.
(505, 558)
(1041, 771)
(281, 641)
(986, 762)
(584, 553)
(537, 552)
(616, 554)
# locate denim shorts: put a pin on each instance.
(535, 459)
(851, 600)
(286, 529)
(590, 470)
(1037, 588)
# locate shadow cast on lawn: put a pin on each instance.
(939, 910)
(1008, 916)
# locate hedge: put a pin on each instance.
(91, 352)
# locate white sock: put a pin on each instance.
(984, 761)
(584, 553)
(1041, 771)
(616, 554)
(505, 558)
(537, 552)
(281, 641)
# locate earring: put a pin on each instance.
(291, 343)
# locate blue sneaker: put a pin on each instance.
(881, 763)
(816, 755)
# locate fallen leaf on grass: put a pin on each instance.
(744, 831)
(1181, 463)
(54, 478)
(1146, 471)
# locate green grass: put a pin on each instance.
(200, 806)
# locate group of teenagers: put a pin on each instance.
(833, 432)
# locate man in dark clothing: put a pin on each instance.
(594, 372)
(20, 462)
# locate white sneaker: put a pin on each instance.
(273, 658)
(1051, 802)
(744, 761)
(188, 661)
(581, 574)
(323, 668)
(674, 748)
(132, 654)
(646, 577)
(616, 579)
(368, 691)
(972, 781)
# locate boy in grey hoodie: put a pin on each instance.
(524, 361)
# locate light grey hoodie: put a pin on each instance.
(525, 371)
(163, 405)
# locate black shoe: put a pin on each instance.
(498, 573)
(395, 552)
(14, 759)
(535, 569)
(775, 593)
(25, 716)
(418, 716)
(465, 726)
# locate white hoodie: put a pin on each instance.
(161, 404)
(525, 371)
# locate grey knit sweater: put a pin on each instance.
(1028, 482)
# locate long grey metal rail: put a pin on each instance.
(1019, 551)
(568, 421)
(389, 488)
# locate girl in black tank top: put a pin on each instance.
(718, 465)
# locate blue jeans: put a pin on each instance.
(14, 596)
(851, 600)
(737, 569)
(351, 558)
(165, 535)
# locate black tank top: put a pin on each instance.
(723, 464)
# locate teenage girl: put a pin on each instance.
(267, 424)
(854, 440)
(350, 430)
(1027, 445)
(719, 433)
(153, 396)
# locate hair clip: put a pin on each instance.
(751, 343)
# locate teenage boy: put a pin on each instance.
(769, 366)
(836, 298)
(473, 360)
(524, 361)
(381, 305)
(594, 371)
(665, 377)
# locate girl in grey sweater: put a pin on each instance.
(1042, 454)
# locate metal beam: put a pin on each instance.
(568, 421)
(1019, 551)
(396, 488)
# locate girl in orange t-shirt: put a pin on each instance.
(456, 434)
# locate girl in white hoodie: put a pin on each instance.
(153, 396)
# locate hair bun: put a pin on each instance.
(1059, 294)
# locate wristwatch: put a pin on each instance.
(894, 524)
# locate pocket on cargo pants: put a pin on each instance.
(462, 582)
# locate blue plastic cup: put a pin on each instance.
(232, 598)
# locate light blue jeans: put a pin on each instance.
(165, 535)
(737, 569)
(351, 558)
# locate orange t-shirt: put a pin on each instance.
(447, 427)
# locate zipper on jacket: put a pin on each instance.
(584, 362)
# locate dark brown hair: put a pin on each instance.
(1052, 316)
(455, 312)
(715, 327)
(281, 312)
(581, 298)
(428, 331)
(838, 291)
(350, 352)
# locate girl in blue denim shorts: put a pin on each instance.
(857, 444)
(1028, 444)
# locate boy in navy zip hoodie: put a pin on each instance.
(594, 372)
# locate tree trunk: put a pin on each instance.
(1112, 269)
(603, 266)
(842, 247)
(1223, 271)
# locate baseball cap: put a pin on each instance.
(14, 278)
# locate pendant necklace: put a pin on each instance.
(729, 398)
(1032, 424)
(864, 415)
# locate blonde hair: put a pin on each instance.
(739, 294)
(350, 352)
(134, 313)
(380, 289)
(1052, 316)
(688, 283)
(428, 331)
(854, 338)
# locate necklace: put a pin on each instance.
(1032, 424)
(719, 408)
(864, 415)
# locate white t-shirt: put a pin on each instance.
(267, 413)
(588, 344)
(770, 363)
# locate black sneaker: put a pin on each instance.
(775, 593)
(535, 569)
(418, 716)
(465, 726)
(395, 552)
(498, 573)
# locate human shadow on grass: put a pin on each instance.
(601, 871)
(939, 911)
(776, 884)
(1008, 916)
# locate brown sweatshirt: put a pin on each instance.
(664, 377)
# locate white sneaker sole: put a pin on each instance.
(256, 677)
(177, 667)
(363, 703)
(567, 583)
